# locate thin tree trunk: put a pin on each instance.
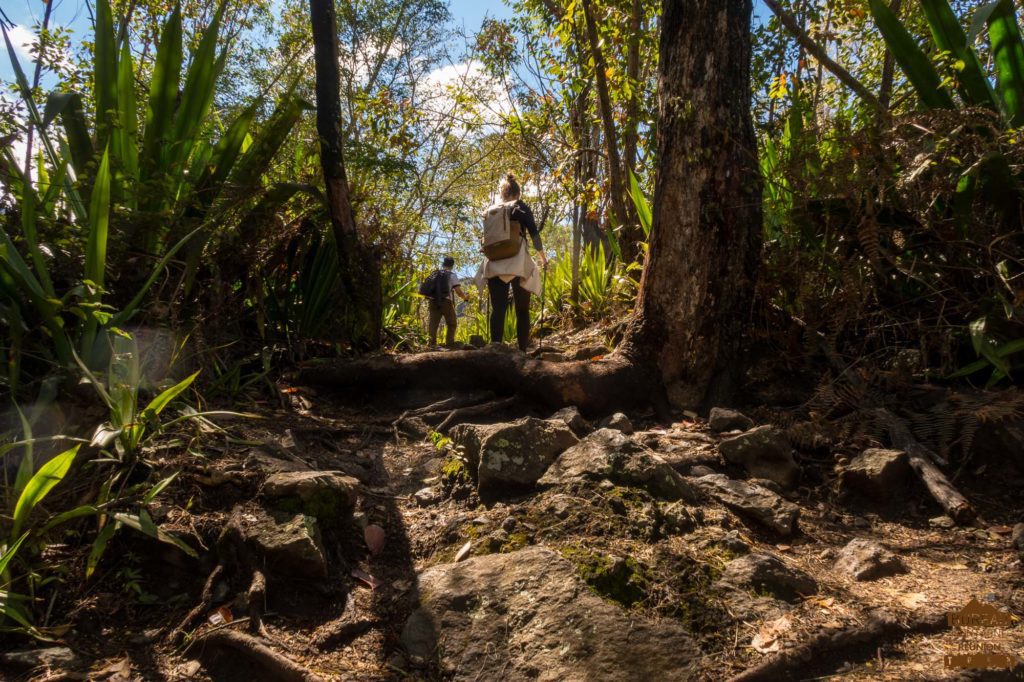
(888, 66)
(620, 208)
(698, 283)
(630, 136)
(360, 270)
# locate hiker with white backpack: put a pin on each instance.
(507, 262)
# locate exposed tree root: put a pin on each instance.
(596, 387)
(829, 643)
(341, 634)
(205, 602)
(272, 665)
(922, 461)
(458, 416)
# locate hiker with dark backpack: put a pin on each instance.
(438, 288)
(507, 263)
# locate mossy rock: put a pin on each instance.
(327, 495)
(616, 578)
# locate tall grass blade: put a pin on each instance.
(163, 95)
(1008, 55)
(914, 62)
(49, 475)
(96, 247)
(104, 74)
(127, 154)
(973, 86)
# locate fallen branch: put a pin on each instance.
(272, 665)
(828, 644)
(922, 461)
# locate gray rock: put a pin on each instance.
(701, 470)
(766, 573)
(288, 543)
(942, 522)
(764, 452)
(677, 518)
(511, 455)
(722, 419)
(618, 422)
(571, 417)
(509, 524)
(1017, 537)
(766, 483)
(426, 496)
(732, 542)
(865, 560)
(496, 539)
(613, 456)
(877, 472)
(752, 501)
(327, 495)
(51, 657)
(528, 615)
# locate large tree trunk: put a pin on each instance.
(698, 283)
(360, 269)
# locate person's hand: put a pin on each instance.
(543, 259)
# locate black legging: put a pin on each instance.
(499, 305)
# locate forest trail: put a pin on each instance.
(631, 553)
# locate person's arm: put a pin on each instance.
(461, 294)
(525, 218)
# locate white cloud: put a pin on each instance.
(446, 86)
(23, 39)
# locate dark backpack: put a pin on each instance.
(437, 286)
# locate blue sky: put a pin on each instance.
(75, 15)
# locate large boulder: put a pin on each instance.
(512, 456)
(752, 501)
(330, 496)
(721, 420)
(877, 472)
(288, 544)
(764, 452)
(866, 560)
(529, 615)
(766, 573)
(611, 455)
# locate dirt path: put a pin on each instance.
(670, 561)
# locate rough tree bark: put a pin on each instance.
(698, 281)
(358, 262)
(698, 284)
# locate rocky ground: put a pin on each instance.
(357, 542)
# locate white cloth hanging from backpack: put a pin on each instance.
(520, 265)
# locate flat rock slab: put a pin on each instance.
(512, 456)
(528, 615)
(866, 560)
(752, 501)
(765, 573)
(765, 452)
(611, 455)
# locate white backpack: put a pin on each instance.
(502, 236)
